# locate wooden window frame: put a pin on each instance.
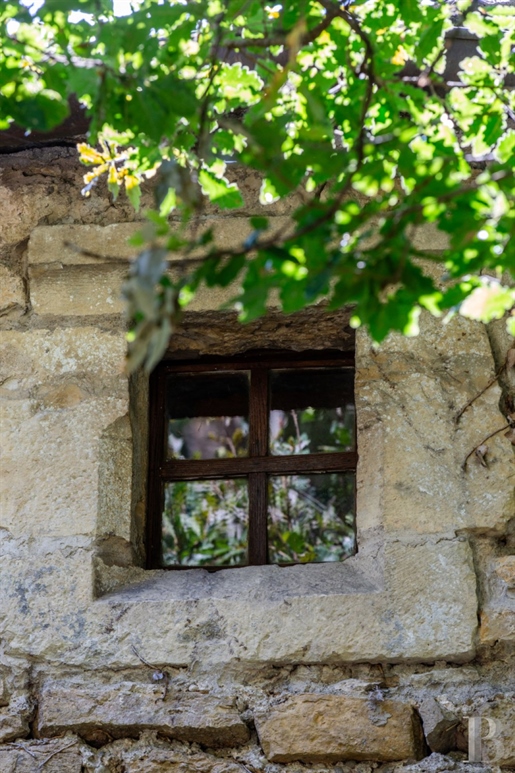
(257, 466)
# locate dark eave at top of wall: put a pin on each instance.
(461, 43)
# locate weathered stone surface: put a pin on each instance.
(46, 589)
(60, 391)
(77, 290)
(498, 613)
(97, 711)
(330, 728)
(498, 739)
(12, 293)
(151, 755)
(37, 359)
(408, 393)
(312, 328)
(358, 610)
(440, 727)
(87, 291)
(59, 756)
(64, 281)
(438, 763)
(36, 499)
(12, 725)
(62, 243)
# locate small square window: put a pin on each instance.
(252, 460)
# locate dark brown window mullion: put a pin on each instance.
(258, 447)
(157, 455)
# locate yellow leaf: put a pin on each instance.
(113, 175)
(89, 155)
(131, 181)
(99, 170)
(400, 57)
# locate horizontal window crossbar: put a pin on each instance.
(189, 469)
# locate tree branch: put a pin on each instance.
(473, 399)
(496, 432)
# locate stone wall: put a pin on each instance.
(372, 664)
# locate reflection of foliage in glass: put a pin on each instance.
(205, 522)
(311, 430)
(311, 517)
(208, 437)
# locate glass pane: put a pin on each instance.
(312, 411)
(311, 517)
(207, 415)
(205, 523)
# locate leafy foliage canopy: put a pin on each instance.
(352, 107)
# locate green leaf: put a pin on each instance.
(220, 191)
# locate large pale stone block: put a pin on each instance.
(64, 281)
(50, 465)
(60, 392)
(96, 711)
(63, 243)
(330, 728)
(408, 393)
(97, 290)
(417, 603)
(91, 358)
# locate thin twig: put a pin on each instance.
(125, 261)
(473, 399)
(145, 662)
(158, 671)
(54, 754)
(281, 39)
(24, 749)
(506, 426)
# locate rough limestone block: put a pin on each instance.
(330, 728)
(418, 603)
(46, 589)
(62, 243)
(40, 360)
(60, 391)
(59, 756)
(65, 282)
(50, 465)
(12, 293)
(12, 726)
(408, 393)
(127, 708)
(440, 726)
(86, 291)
